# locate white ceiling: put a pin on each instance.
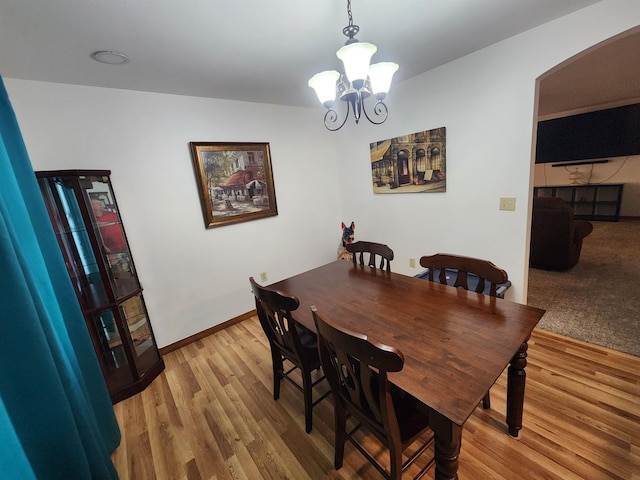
(252, 50)
(606, 75)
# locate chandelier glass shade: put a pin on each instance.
(359, 81)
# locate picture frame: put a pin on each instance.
(105, 198)
(413, 163)
(235, 181)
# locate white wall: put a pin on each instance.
(193, 278)
(196, 278)
(618, 170)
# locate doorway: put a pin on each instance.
(403, 167)
(601, 77)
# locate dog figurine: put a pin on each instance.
(347, 238)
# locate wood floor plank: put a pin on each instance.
(164, 452)
(211, 415)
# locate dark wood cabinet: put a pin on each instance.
(84, 214)
(589, 202)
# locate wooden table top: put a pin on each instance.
(455, 343)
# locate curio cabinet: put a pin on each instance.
(85, 217)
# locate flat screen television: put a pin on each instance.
(614, 132)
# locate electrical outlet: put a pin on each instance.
(263, 276)
(508, 203)
(412, 262)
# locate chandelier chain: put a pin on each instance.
(350, 30)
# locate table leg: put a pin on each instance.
(516, 378)
(448, 438)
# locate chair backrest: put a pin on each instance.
(274, 312)
(360, 247)
(356, 369)
(483, 269)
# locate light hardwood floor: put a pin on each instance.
(211, 415)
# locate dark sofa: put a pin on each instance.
(556, 237)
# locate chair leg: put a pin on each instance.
(486, 401)
(340, 436)
(278, 373)
(307, 390)
(395, 457)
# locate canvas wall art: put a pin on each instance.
(414, 163)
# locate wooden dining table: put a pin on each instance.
(455, 343)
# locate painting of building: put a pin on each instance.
(235, 181)
(414, 163)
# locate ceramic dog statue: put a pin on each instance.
(347, 237)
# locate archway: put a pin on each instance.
(602, 76)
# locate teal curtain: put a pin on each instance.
(56, 418)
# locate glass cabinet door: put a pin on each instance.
(73, 238)
(112, 351)
(112, 242)
(87, 223)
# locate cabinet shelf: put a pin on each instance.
(84, 213)
(589, 202)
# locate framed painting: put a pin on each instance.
(235, 182)
(414, 163)
(105, 198)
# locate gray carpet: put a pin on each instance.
(598, 300)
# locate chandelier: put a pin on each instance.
(359, 81)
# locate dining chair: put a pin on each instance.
(289, 341)
(483, 270)
(373, 249)
(356, 368)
